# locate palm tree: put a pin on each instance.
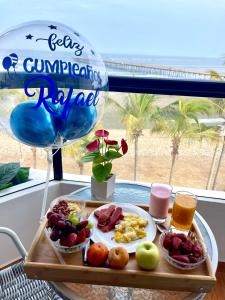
(220, 109)
(179, 121)
(136, 112)
(76, 151)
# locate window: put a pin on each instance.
(32, 160)
(187, 154)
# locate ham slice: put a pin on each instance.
(108, 217)
(115, 217)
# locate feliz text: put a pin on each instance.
(66, 42)
(35, 65)
(57, 97)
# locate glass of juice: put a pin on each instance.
(159, 201)
(183, 210)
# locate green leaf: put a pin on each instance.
(5, 185)
(89, 157)
(8, 172)
(101, 172)
(21, 176)
(111, 154)
(108, 168)
(99, 159)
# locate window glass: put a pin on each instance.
(176, 139)
(159, 38)
(32, 161)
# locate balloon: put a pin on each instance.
(7, 63)
(57, 68)
(32, 126)
(79, 123)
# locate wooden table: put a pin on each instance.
(130, 192)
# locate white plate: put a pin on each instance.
(107, 237)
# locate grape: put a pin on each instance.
(90, 225)
(49, 214)
(74, 229)
(61, 224)
(54, 236)
(68, 224)
(73, 219)
(54, 218)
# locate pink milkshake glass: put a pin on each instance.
(159, 201)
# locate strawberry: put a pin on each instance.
(187, 247)
(181, 236)
(88, 232)
(81, 236)
(182, 258)
(176, 243)
(72, 239)
(69, 241)
(197, 250)
(173, 252)
(167, 242)
(63, 242)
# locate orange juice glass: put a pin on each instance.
(183, 210)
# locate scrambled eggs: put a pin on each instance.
(131, 228)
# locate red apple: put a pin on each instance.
(118, 257)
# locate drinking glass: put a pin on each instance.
(159, 201)
(184, 207)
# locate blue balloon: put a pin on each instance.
(33, 126)
(80, 121)
(7, 63)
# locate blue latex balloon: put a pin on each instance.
(33, 126)
(7, 63)
(80, 121)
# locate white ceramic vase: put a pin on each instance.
(104, 189)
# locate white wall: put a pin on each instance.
(213, 211)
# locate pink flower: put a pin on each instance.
(93, 146)
(110, 142)
(124, 146)
(101, 133)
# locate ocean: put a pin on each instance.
(195, 64)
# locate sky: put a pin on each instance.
(192, 28)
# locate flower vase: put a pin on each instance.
(104, 189)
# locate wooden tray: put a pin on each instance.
(44, 262)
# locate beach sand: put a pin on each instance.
(154, 160)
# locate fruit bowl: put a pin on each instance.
(65, 249)
(65, 228)
(67, 204)
(182, 251)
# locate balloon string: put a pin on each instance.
(44, 202)
(49, 159)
